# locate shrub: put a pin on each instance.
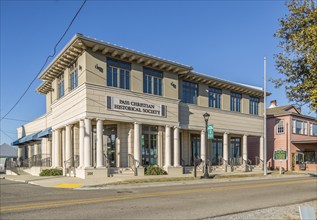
(51, 172)
(154, 170)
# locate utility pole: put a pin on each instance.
(264, 116)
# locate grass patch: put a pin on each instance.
(153, 180)
(237, 175)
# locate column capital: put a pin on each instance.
(100, 119)
(176, 127)
(137, 123)
(202, 131)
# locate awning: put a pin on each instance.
(26, 139)
(45, 133)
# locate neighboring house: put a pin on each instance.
(289, 130)
(106, 103)
(7, 152)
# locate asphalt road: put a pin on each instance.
(24, 201)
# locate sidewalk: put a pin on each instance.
(117, 182)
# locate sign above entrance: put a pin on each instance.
(126, 105)
(280, 155)
(210, 131)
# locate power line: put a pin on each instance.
(50, 56)
(14, 119)
(7, 135)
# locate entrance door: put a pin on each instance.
(235, 150)
(149, 145)
(216, 154)
(195, 145)
(111, 136)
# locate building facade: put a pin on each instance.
(111, 106)
(289, 130)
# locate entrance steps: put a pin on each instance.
(116, 171)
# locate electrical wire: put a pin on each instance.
(50, 56)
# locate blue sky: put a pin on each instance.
(226, 39)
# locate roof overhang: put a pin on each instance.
(80, 43)
(305, 142)
(224, 84)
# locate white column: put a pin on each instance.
(68, 145)
(36, 149)
(203, 155)
(137, 143)
(57, 148)
(81, 143)
(225, 148)
(245, 150)
(99, 142)
(19, 152)
(53, 148)
(168, 149)
(176, 147)
(49, 148)
(130, 143)
(261, 151)
(87, 143)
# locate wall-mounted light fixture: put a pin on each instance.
(99, 68)
(173, 85)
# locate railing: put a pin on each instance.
(76, 161)
(236, 161)
(247, 163)
(68, 167)
(106, 160)
(36, 160)
(133, 163)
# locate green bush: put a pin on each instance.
(154, 170)
(52, 172)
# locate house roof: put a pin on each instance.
(8, 151)
(285, 110)
(279, 110)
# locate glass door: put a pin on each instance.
(235, 150)
(149, 145)
(111, 136)
(195, 145)
(216, 153)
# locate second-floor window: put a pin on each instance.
(313, 129)
(73, 76)
(189, 92)
(214, 97)
(235, 102)
(118, 74)
(280, 126)
(152, 81)
(254, 105)
(60, 84)
(299, 127)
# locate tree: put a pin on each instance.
(297, 60)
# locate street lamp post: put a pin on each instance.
(206, 117)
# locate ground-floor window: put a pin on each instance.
(149, 145)
(216, 153)
(308, 157)
(195, 145)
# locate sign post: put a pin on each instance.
(210, 132)
(280, 155)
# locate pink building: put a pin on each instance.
(289, 130)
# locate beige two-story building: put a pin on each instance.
(109, 106)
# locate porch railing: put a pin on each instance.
(133, 163)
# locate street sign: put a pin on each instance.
(280, 155)
(210, 131)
